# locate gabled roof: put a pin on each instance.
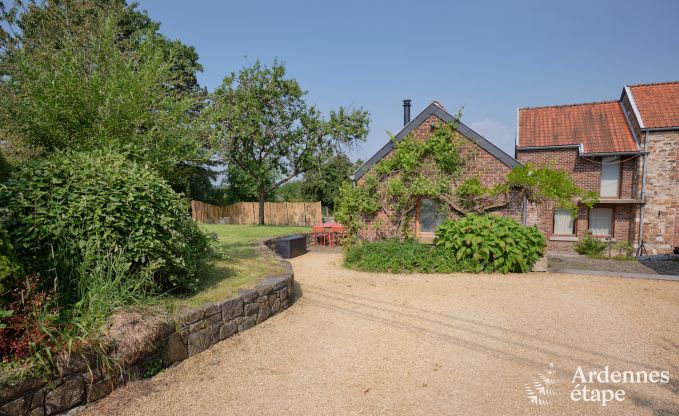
(437, 110)
(599, 127)
(657, 104)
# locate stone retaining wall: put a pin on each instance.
(195, 330)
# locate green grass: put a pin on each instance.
(239, 266)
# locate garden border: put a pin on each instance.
(82, 381)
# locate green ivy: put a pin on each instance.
(415, 169)
(433, 168)
(546, 184)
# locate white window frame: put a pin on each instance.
(610, 168)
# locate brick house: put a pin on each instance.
(626, 150)
(491, 165)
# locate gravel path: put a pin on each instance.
(374, 344)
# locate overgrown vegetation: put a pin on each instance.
(491, 243)
(434, 168)
(97, 233)
(600, 249)
(83, 75)
(102, 123)
(68, 207)
(590, 246)
(396, 256)
(544, 184)
(9, 267)
(475, 243)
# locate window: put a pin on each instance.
(610, 176)
(564, 223)
(601, 221)
(432, 213)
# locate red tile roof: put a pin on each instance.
(658, 104)
(600, 127)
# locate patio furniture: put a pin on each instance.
(330, 233)
(318, 233)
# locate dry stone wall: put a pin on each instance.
(661, 211)
(195, 330)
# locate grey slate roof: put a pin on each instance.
(440, 112)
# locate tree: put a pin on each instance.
(83, 75)
(291, 192)
(322, 183)
(260, 122)
(239, 186)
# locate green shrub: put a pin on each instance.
(9, 268)
(395, 256)
(60, 207)
(491, 243)
(590, 247)
(623, 248)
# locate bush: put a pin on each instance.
(590, 247)
(491, 243)
(624, 249)
(9, 268)
(395, 256)
(77, 205)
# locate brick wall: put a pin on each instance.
(485, 166)
(586, 172)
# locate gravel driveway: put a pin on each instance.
(372, 344)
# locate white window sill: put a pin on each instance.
(563, 238)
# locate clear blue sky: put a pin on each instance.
(489, 57)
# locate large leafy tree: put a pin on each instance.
(260, 122)
(323, 182)
(85, 74)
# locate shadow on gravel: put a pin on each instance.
(414, 319)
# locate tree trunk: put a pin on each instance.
(261, 207)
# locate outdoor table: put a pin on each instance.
(328, 231)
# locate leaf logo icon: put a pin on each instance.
(540, 390)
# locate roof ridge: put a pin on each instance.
(570, 105)
(652, 84)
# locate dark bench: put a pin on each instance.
(291, 246)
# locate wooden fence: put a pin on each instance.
(275, 213)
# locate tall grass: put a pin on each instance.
(106, 283)
(99, 284)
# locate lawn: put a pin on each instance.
(239, 265)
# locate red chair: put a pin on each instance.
(339, 232)
(318, 232)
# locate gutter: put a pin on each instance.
(564, 146)
(658, 129)
(516, 138)
(643, 192)
(639, 152)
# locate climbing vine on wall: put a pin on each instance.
(433, 168)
